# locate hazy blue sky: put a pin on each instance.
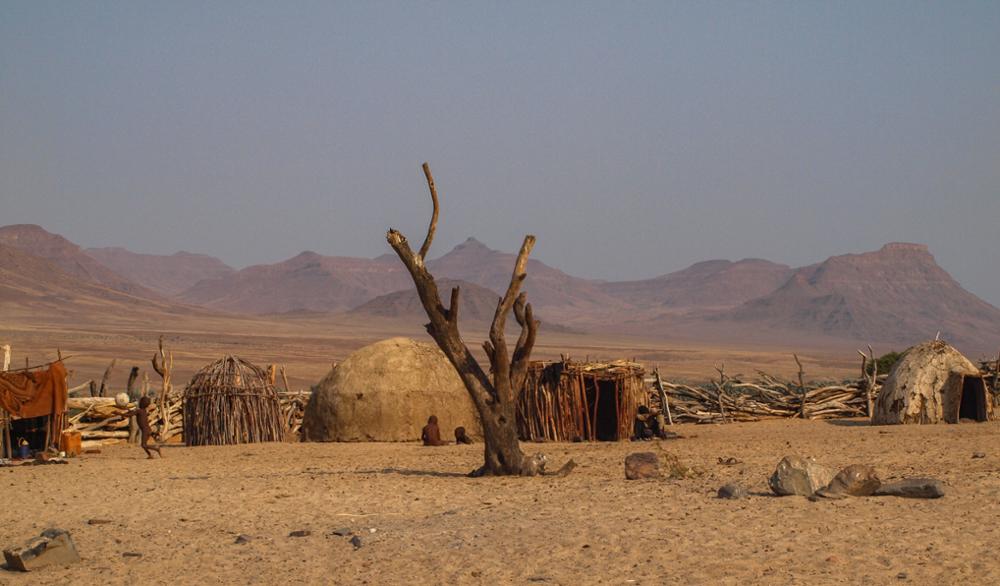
(633, 138)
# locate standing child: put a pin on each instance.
(142, 419)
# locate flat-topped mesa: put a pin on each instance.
(905, 247)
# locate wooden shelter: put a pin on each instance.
(32, 406)
(933, 383)
(580, 401)
(231, 401)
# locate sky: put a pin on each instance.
(632, 138)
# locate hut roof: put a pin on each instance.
(927, 386)
(231, 401)
(385, 392)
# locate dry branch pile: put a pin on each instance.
(765, 397)
(100, 422)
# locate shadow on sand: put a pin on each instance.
(849, 422)
(408, 472)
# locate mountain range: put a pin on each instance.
(898, 294)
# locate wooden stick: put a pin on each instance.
(663, 396)
(802, 388)
(6, 358)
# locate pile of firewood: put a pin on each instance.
(766, 397)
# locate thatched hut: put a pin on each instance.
(932, 383)
(231, 402)
(588, 401)
(385, 392)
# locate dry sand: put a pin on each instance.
(432, 525)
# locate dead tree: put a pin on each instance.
(494, 395)
(163, 365)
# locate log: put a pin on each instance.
(6, 358)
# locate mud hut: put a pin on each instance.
(587, 401)
(385, 392)
(231, 401)
(933, 383)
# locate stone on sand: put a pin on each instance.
(914, 488)
(855, 480)
(52, 547)
(639, 465)
(796, 475)
(733, 491)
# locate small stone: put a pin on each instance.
(733, 491)
(342, 532)
(978, 455)
(796, 475)
(372, 530)
(241, 539)
(902, 576)
(131, 554)
(640, 465)
(914, 488)
(356, 542)
(833, 559)
(98, 521)
(300, 533)
(52, 547)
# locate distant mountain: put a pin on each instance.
(68, 257)
(898, 293)
(307, 282)
(476, 303)
(169, 275)
(36, 288)
(559, 294)
(709, 284)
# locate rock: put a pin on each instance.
(902, 576)
(914, 488)
(855, 480)
(733, 491)
(356, 542)
(639, 465)
(799, 476)
(343, 532)
(98, 521)
(131, 554)
(52, 547)
(978, 455)
(241, 539)
(300, 533)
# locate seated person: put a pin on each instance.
(431, 434)
(461, 437)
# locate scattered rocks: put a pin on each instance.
(342, 532)
(52, 547)
(242, 539)
(733, 491)
(978, 455)
(914, 488)
(300, 533)
(796, 475)
(855, 480)
(356, 542)
(641, 465)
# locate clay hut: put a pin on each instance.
(933, 383)
(231, 401)
(580, 401)
(385, 392)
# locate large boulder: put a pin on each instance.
(385, 392)
(796, 475)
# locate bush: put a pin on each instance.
(885, 362)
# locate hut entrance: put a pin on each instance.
(32, 430)
(602, 402)
(973, 404)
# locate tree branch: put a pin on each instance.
(434, 216)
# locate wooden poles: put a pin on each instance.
(231, 402)
(6, 358)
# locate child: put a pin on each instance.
(142, 419)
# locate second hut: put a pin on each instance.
(231, 401)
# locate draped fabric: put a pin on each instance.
(35, 394)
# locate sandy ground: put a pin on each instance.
(422, 522)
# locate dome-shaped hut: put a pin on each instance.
(385, 392)
(231, 401)
(932, 383)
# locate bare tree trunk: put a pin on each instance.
(133, 395)
(6, 358)
(494, 395)
(106, 378)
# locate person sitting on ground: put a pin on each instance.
(642, 429)
(141, 415)
(461, 437)
(431, 434)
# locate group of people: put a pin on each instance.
(431, 434)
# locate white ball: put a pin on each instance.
(121, 400)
